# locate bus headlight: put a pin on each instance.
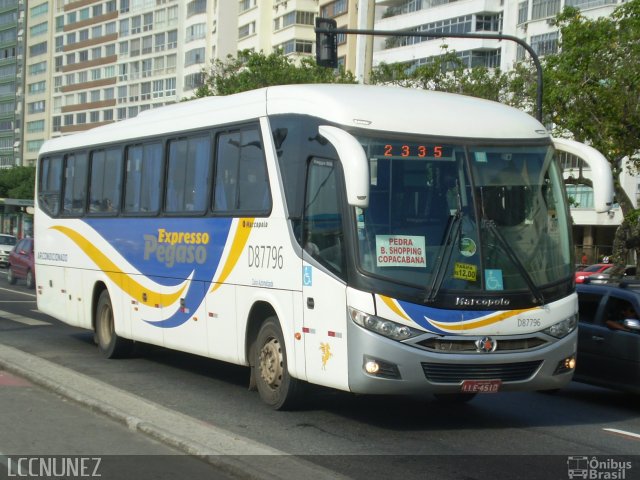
(563, 328)
(384, 327)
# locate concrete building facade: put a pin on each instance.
(11, 81)
(92, 62)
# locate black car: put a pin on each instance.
(609, 335)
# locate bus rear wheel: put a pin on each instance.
(109, 343)
(276, 387)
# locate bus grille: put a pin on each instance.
(456, 373)
(442, 345)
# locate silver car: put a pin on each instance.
(7, 242)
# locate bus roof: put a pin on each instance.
(383, 108)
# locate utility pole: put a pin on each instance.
(364, 43)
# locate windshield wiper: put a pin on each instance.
(491, 226)
(450, 236)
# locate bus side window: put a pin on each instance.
(253, 181)
(241, 183)
(105, 180)
(322, 235)
(188, 172)
(143, 178)
(50, 184)
(75, 184)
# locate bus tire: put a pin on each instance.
(11, 278)
(454, 397)
(109, 343)
(274, 384)
(30, 280)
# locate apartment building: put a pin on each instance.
(92, 62)
(287, 25)
(37, 84)
(11, 64)
(530, 20)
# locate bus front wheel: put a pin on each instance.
(109, 343)
(276, 387)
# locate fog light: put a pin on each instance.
(380, 368)
(372, 367)
(566, 365)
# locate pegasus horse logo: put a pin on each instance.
(325, 348)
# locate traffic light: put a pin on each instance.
(326, 43)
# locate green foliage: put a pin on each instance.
(592, 87)
(592, 91)
(447, 73)
(251, 70)
(17, 182)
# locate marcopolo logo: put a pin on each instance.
(176, 247)
(593, 468)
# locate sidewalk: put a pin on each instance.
(228, 452)
(41, 431)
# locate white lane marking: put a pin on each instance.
(19, 291)
(20, 319)
(635, 436)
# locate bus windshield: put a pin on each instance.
(447, 217)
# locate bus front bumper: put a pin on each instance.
(408, 370)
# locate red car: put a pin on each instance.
(21, 263)
(590, 270)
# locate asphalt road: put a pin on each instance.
(510, 435)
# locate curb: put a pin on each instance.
(233, 454)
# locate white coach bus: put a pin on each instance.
(370, 239)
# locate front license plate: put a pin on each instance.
(481, 386)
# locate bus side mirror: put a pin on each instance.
(354, 164)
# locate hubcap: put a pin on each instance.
(271, 363)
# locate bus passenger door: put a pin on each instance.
(323, 273)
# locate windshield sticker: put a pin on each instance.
(465, 271)
(481, 157)
(468, 247)
(400, 251)
(493, 279)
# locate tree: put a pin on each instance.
(17, 182)
(592, 91)
(448, 73)
(251, 70)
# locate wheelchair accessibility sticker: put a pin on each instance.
(493, 279)
(307, 280)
